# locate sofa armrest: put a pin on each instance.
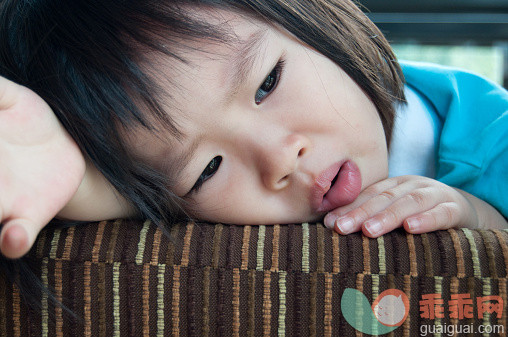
(130, 278)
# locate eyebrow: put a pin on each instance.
(242, 62)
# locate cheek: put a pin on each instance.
(361, 114)
(244, 201)
(230, 195)
(360, 126)
(366, 136)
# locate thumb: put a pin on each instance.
(17, 237)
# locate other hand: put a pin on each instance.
(41, 167)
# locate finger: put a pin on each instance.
(343, 224)
(443, 216)
(383, 200)
(9, 92)
(368, 193)
(17, 237)
(414, 202)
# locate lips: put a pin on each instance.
(338, 185)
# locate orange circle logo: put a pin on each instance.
(391, 307)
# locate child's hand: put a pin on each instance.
(419, 204)
(41, 167)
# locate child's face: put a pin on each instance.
(267, 123)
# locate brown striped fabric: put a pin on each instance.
(126, 278)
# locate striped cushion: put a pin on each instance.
(129, 278)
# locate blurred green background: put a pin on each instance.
(470, 34)
(483, 60)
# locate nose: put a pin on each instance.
(279, 161)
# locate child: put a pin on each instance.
(245, 112)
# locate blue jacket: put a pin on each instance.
(473, 145)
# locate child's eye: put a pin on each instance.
(270, 83)
(208, 172)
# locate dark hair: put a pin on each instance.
(85, 58)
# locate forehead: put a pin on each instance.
(207, 67)
(205, 58)
(234, 29)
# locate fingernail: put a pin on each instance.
(330, 220)
(373, 226)
(14, 240)
(413, 224)
(345, 224)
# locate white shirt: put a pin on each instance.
(415, 138)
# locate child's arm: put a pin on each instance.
(419, 204)
(43, 173)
